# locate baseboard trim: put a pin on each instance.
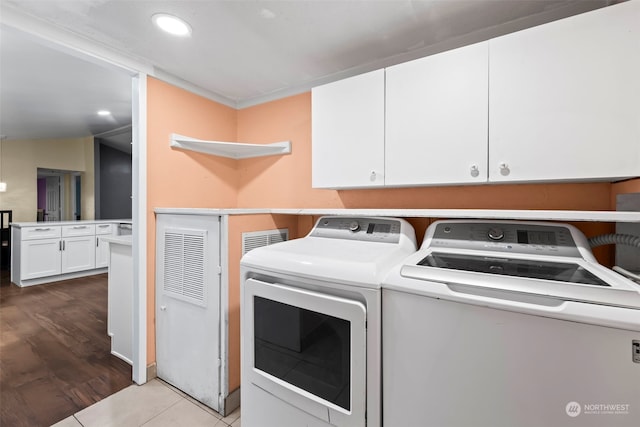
(152, 371)
(230, 403)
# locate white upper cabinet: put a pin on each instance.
(348, 132)
(436, 119)
(564, 100)
(557, 102)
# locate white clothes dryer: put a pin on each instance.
(311, 323)
(509, 323)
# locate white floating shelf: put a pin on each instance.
(233, 150)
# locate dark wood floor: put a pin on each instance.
(54, 350)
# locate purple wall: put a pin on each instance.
(42, 193)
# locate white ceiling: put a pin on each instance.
(46, 93)
(240, 53)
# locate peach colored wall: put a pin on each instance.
(185, 179)
(237, 226)
(178, 178)
(280, 181)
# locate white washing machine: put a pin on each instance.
(311, 323)
(509, 324)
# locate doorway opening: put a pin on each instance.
(59, 195)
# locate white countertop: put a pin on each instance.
(83, 221)
(538, 215)
(118, 240)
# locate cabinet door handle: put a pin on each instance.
(504, 169)
(103, 225)
(474, 171)
(60, 245)
(97, 242)
(79, 227)
(43, 229)
(372, 177)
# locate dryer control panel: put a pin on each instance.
(506, 237)
(359, 228)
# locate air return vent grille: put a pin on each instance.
(184, 264)
(257, 239)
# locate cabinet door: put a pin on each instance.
(348, 132)
(564, 100)
(437, 118)
(188, 305)
(102, 253)
(40, 258)
(102, 248)
(78, 254)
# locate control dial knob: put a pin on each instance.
(354, 226)
(495, 233)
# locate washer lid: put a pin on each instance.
(519, 259)
(559, 271)
(611, 289)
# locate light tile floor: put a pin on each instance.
(154, 404)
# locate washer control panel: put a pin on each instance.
(506, 237)
(358, 228)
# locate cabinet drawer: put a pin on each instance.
(78, 230)
(104, 228)
(44, 232)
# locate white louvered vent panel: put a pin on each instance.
(194, 267)
(173, 262)
(251, 242)
(184, 264)
(278, 237)
(257, 239)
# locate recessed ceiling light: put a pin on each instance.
(171, 24)
(104, 113)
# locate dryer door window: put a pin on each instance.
(306, 348)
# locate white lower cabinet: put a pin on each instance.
(78, 254)
(102, 247)
(48, 253)
(40, 258)
(102, 253)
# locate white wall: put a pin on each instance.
(20, 163)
